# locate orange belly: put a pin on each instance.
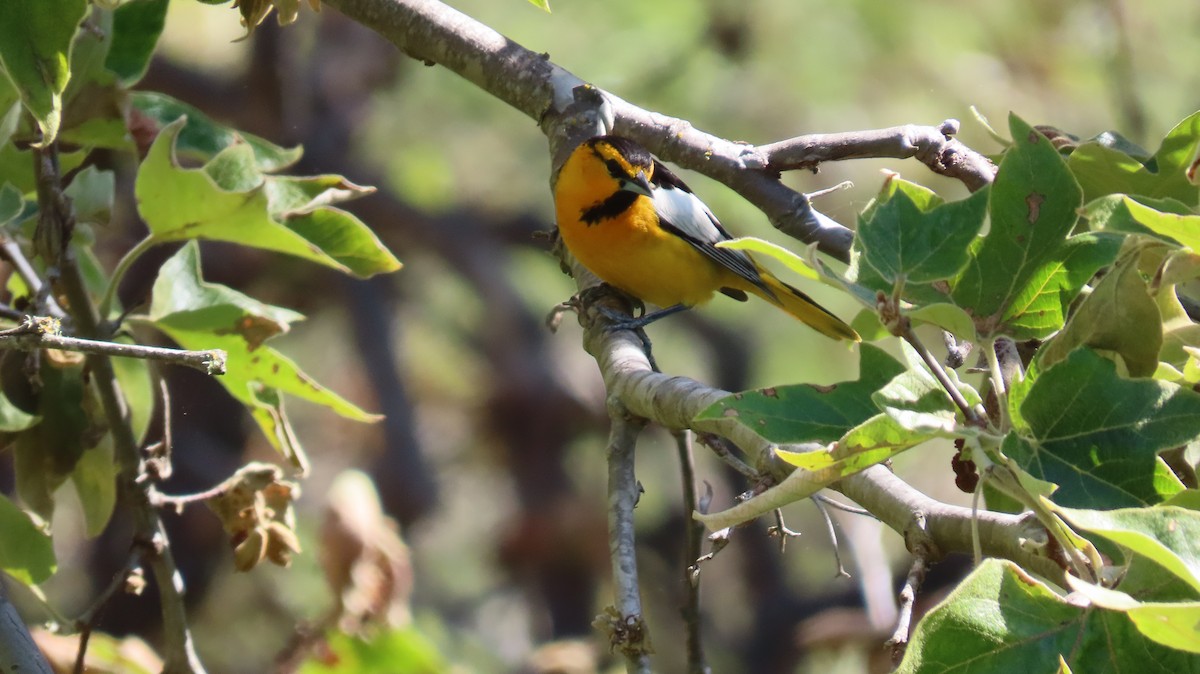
(632, 253)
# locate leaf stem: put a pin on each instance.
(972, 415)
(131, 256)
(998, 387)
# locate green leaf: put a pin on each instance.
(267, 410)
(874, 441)
(1118, 316)
(15, 166)
(1102, 170)
(136, 27)
(183, 298)
(398, 650)
(902, 239)
(541, 4)
(949, 317)
(790, 260)
(95, 479)
(1176, 625)
(917, 402)
(35, 47)
(1001, 620)
(181, 204)
(1041, 306)
(807, 412)
(91, 192)
(202, 138)
(1033, 207)
(1097, 435)
(26, 551)
(13, 418)
(134, 376)
(1167, 535)
(11, 204)
(45, 454)
(1120, 213)
(202, 315)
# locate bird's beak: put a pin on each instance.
(639, 185)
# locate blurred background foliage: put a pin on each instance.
(493, 454)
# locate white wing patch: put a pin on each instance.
(688, 214)
(691, 220)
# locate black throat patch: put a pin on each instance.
(610, 208)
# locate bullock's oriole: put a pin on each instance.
(638, 227)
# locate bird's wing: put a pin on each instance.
(683, 214)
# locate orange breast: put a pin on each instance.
(632, 253)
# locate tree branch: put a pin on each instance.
(935, 147)
(42, 333)
(673, 402)
(628, 631)
(436, 34)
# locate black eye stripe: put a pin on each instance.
(615, 169)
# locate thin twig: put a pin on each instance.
(999, 385)
(37, 289)
(898, 643)
(629, 632)
(780, 529)
(123, 266)
(936, 147)
(844, 507)
(179, 502)
(722, 448)
(833, 539)
(34, 333)
(973, 416)
(694, 540)
(87, 620)
(158, 454)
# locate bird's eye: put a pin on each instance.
(614, 168)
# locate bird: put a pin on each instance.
(639, 228)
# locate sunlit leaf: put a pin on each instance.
(1033, 208)
(808, 412)
(1102, 170)
(791, 260)
(1167, 535)
(229, 201)
(902, 239)
(136, 27)
(201, 315)
(35, 45)
(203, 138)
(1001, 620)
(1041, 306)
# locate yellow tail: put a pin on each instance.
(803, 307)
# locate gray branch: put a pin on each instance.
(433, 33)
(628, 630)
(42, 333)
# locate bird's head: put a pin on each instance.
(617, 162)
